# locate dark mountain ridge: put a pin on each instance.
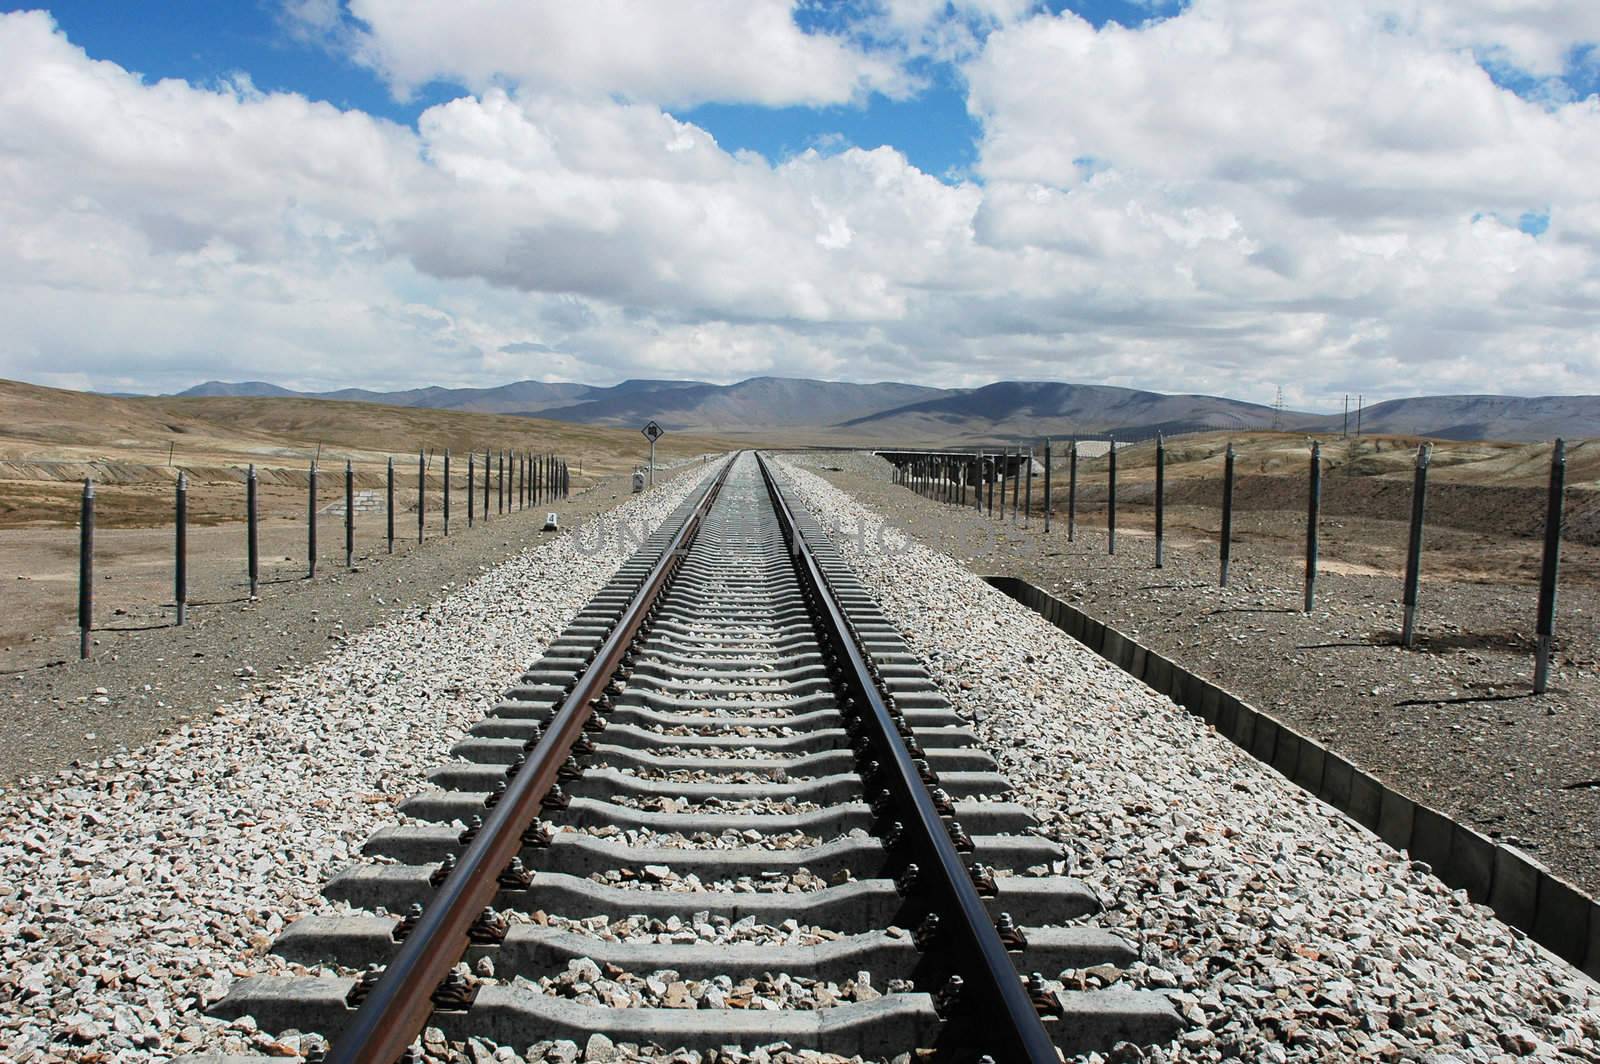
(896, 412)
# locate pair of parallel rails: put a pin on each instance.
(734, 646)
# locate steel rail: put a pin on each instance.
(399, 1005)
(992, 994)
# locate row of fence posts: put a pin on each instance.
(532, 479)
(949, 476)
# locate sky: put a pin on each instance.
(1377, 197)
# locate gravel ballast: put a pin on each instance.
(1451, 723)
(1283, 929)
(139, 886)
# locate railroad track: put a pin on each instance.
(727, 787)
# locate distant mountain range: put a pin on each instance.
(910, 413)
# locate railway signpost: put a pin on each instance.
(653, 432)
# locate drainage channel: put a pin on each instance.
(727, 808)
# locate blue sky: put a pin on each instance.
(1325, 197)
(209, 42)
(206, 42)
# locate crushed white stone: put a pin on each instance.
(1283, 930)
(136, 889)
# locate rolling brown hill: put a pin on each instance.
(134, 447)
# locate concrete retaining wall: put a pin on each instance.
(1522, 892)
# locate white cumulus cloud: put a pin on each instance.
(1242, 195)
(679, 53)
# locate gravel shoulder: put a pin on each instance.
(149, 678)
(1282, 929)
(1453, 723)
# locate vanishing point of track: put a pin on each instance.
(731, 665)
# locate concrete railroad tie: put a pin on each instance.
(728, 710)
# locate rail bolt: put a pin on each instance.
(454, 993)
(926, 932)
(892, 837)
(516, 876)
(949, 996)
(1010, 934)
(489, 928)
(408, 922)
(442, 873)
(959, 836)
(473, 827)
(1040, 994)
(363, 985)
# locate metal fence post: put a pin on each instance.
(1072, 491)
(471, 505)
(1002, 474)
(447, 491)
(391, 504)
(311, 523)
(488, 468)
(1227, 515)
(1047, 484)
(86, 568)
(1313, 517)
(500, 486)
(349, 515)
(1419, 497)
(1161, 504)
(180, 566)
(1554, 514)
(1027, 502)
(252, 541)
(422, 490)
(1014, 466)
(1111, 503)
